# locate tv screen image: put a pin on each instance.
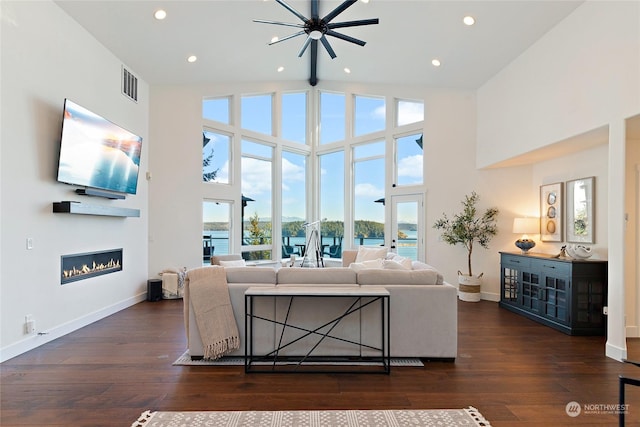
(97, 153)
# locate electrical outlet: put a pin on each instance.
(29, 243)
(29, 325)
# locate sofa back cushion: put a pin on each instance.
(399, 277)
(316, 276)
(215, 259)
(251, 275)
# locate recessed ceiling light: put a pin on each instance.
(160, 14)
(192, 58)
(469, 20)
(435, 62)
(280, 69)
(347, 70)
(365, 1)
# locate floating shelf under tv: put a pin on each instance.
(72, 207)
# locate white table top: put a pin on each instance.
(360, 291)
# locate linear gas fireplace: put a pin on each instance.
(83, 266)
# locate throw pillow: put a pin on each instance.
(234, 263)
(365, 265)
(406, 262)
(366, 253)
(392, 264)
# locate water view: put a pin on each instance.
(218, 240)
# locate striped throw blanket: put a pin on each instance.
(209, 296)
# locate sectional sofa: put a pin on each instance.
(423, 310)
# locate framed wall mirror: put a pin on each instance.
(580, 224)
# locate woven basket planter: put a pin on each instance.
(469, 287)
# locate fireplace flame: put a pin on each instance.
(84, 269)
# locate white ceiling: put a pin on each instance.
(230, 47)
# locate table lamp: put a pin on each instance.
(525, 226)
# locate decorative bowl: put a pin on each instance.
(578, 251)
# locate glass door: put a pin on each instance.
(407, 226)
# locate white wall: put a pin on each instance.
(46, 57)
(576, 78)
(582, 75)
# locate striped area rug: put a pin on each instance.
(348, 418)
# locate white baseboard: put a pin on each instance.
(632, 332)
(489, 296)
(35, 341)
(615, 352)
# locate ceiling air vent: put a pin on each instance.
(129, 85)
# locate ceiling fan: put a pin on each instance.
(317, 28)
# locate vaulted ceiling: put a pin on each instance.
(230, 47)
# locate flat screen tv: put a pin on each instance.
(97, 153)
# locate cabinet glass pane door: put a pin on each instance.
(554, 299)
(510, 285)
(530, 290)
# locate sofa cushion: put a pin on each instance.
(316, 276)
(215, 259)
(367, 253)
(417, 265)
(399, 277)
(232, 263)
(251, 275)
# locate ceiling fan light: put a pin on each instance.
(316, 34)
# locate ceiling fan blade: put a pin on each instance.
(345, 37)
(313, 79)
(292, 10)
(327, 46)
(304, 46)
(262, 21)
(338, 10)
(314, 9)
(354, 23)
(299, 33)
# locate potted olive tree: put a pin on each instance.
(467, 228)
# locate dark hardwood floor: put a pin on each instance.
(515, 371)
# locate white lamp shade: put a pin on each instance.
(526, 225)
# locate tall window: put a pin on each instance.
(332, 197)
(380, 138)
(368, 191)
(294, 214)
(332, 117)
(257, 212)
(216, 229)
(294, 117)
(370, 115)
(409, 160)
(215, 157)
